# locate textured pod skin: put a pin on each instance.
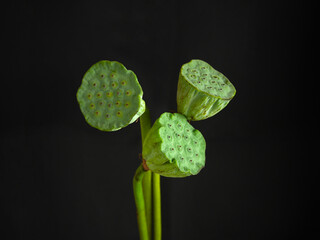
(110, 96)
(202, 91)
(173, 148)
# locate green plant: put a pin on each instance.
(110, 98)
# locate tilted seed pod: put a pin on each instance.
(173, 148)
(110, 96)
(202, 90)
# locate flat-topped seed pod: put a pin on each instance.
(110, 96)
(202, 90)
(173, 148)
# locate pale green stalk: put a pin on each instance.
(156, 206)
(138, 196)
(145, 125)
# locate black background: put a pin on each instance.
(62, 179)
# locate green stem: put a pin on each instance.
(138, 196)
(156, 206)
(145, 125)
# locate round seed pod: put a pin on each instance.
(173, 148)
(202, 90)
(110, 96)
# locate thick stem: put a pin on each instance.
(145, 125)
(140, 205)
(156, 206)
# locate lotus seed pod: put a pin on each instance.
(173, 148)
(110, 96)
(202, 91)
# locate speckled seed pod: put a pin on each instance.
(202, 91)
(173, 148)
(110, 96)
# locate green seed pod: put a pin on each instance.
(110, 96)
(173, 148)
(202, 91)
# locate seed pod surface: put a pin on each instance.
(173, 148)
(110, 96)
(202, 90)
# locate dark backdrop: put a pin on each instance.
(62, 179)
